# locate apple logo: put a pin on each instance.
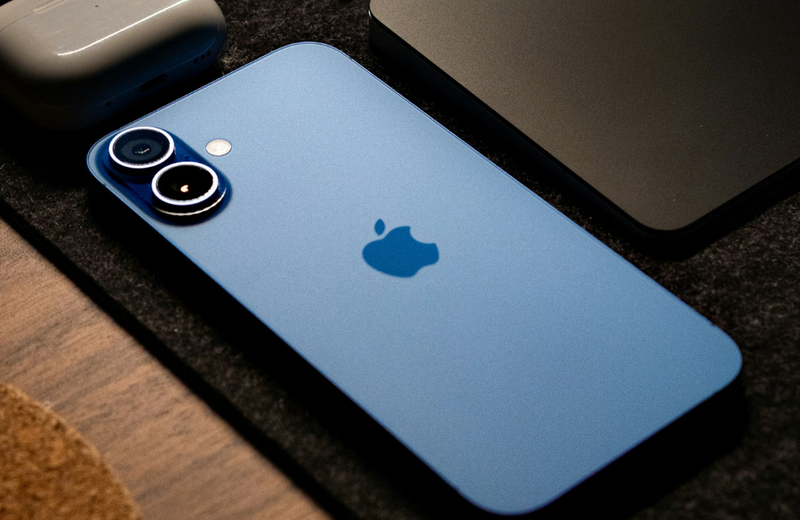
(398, 254)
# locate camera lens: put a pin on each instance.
(186, 188)
(140, 150)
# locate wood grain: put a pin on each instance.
(177, 457)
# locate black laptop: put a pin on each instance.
(667, 114)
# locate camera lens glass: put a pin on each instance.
(140, 150)
(184, 182)
(186, 188)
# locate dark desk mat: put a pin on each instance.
(747, 282)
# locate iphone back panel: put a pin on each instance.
(507, 348)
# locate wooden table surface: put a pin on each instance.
(177, 457)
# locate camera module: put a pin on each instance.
(186, 189)
(139, 151)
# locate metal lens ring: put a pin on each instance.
(186, 189)
(141, 150)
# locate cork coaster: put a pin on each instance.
(47, 470)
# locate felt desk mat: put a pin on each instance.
(746, 282)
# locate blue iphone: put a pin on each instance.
(507, 348)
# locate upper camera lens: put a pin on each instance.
(186, 188)
(138, 151)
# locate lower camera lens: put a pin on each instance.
(141, 150)
(186, 189)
